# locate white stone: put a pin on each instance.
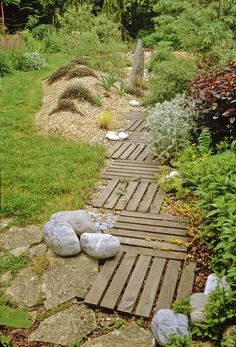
(100, 246)
(123, 136)
(198, 302)
(213, 281)
(61, 238)
(166, 323)
(112, 135)
(80, 221)
(172, 174)
(134, 103)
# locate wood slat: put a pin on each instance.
(147, 299)
(145, 204)
(135, 125)
(135, 283)
(115, 174)
(103, 196)
(157, 202)
(128, 162)
(145, 234)
(128, 151)
(114, 197)
(121, 204)
(135, 115)
(168, 286)
(102, 279)
(114, 148)
(133, 204)
(136, 152)
(151, 216)
(151, 244)
(154, 252)
(186, 281)
(124, 146)
(118, 282)
(154, 222)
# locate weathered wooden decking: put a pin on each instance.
(150, 270)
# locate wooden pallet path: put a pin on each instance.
(150, 271)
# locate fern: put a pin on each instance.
(204, 141)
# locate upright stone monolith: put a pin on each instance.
(138, 66)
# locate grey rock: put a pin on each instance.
(67, 278)
(166, 323)
(134, 103)
(80, 221)
(5, 278)
(17, 237)
(25, 289)
(19, 250)
(127, 336)
(137, 73)
(61, 238)
(100, 246)
(66, 327)
(213, 281)
(198, 302)
(103, 227)
(4, 222)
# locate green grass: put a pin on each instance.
(12, 263)
(41, 174)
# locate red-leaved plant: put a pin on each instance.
(214, 93)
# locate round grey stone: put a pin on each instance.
(80, 221)
(100, 246)
(166, 324)
(61, 238)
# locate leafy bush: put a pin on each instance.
(5, 341)
(170, 78)
(29, 61)
(78, 91)
(182, 306)
(176, 341)
(5, 66)
(220, 311)
(53, 43)
(170, 124)
(215, 95)
(105, 120)
(160, 54)
(41, 31)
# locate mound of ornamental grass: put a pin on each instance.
(66, 105)
(63, 70)
(81, 71)
(78, 91)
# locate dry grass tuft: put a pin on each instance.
(66, 105)
(78, 91)
(81, 71)
(105, 120)
(63, 70)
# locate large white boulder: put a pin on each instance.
(61, 238)
(198, 302)
(213, 281)
(100, 246)
(80, 221)
(123, 136)
(112, 135)
(166, 324)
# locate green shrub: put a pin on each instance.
(5, 341)
(41, 31)
(182, 306)
(170, 124)
(160, 54)
(5, 66)
(170, 78)
(12, 263)
(29, 61)
(53, 43)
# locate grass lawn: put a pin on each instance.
(40, 174)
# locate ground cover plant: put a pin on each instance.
(81, 71)
(41, 174)
(77, 91)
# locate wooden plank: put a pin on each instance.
(175, 233)
(114, 197)
(103, 196)
(128, 151)
(130, 124)
(121, 149)
(121, 204)
(134, 115)
(115, 148)
(118, 167)
(147, 199)
(129, 162)
(137, 151)
(154, 252)
(141, 127)
(134, 202)
(152, 244)
(151, 216)
(136, 124)
(143, 155)
(118, 282)
(160, 223)
(135, 283)
(147, 299)
(99, 285)
(114, 174)
(157, 202)
(144, 234)
(168, 286)
(186, 281)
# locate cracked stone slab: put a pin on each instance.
(66, 327)
(38, 250)
(25, 289)
(66, 278)
(17, 237)
(130, 335)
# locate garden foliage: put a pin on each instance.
(215, 95)
(170, 125)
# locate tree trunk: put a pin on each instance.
(3, 19)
